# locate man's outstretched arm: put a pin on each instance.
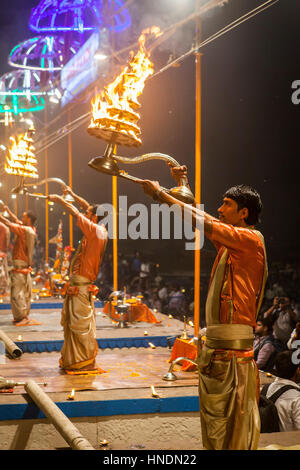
(5, 221)
(12, 216)
(153, 189)
(60, 200)
(83, 204)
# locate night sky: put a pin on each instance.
(250, 127)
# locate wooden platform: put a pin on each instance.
(50, 328)
(123, 392)
(124, 369)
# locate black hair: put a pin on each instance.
(31, 216)
(285, 368)
(267, 321)
(94, 208)
(245, 196)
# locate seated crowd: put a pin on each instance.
(278, 329)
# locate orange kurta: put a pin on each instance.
(243, 272)
(227, 370)
(78, 315)
(20, 246)
(4, 238)
(88, 259)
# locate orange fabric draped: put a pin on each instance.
(138, 312)
(182, 348)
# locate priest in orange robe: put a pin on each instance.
(228, 376)
(78, 315)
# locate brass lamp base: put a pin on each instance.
(184, 335)
(183, 193)
(170, 376)
(108, 164)
(104, 165)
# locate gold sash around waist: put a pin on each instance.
(229, 336)
(77, 280)
(19, 264)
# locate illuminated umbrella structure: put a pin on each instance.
(14, 105)
(44, 53)
(24, 82)
(78, 15)
(23, 91)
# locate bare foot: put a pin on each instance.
(26, 322)
(22, 322)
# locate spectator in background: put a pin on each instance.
(38, 256)
(136, 265)
(295, 336)
(177, 303)
(274, 309)
(269, 294)
(124, 269)
(163, 293)
(144, 281)
(288, 404)
(155, 302)
(264, 344)
(284, 318)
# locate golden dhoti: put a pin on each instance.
(4, 278)
(228, 376)
(78, 320)
(228, 390)
(20, 290)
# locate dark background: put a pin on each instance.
(250, 127)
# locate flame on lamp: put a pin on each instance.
(21, 160)
(114, 111)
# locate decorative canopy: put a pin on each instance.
(21, 104)
(44, 53)
(25, 82)
(79, 15)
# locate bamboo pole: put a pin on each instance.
(115, 231)
(70, 179)
(114, 187)
(197, 178)
(10, 346)
(16, 199)
(62, 424)
(46, 200)
(6, 136)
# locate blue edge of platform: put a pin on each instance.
(103, 343)
(90, 409)
(79, 409)
(46, 305)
